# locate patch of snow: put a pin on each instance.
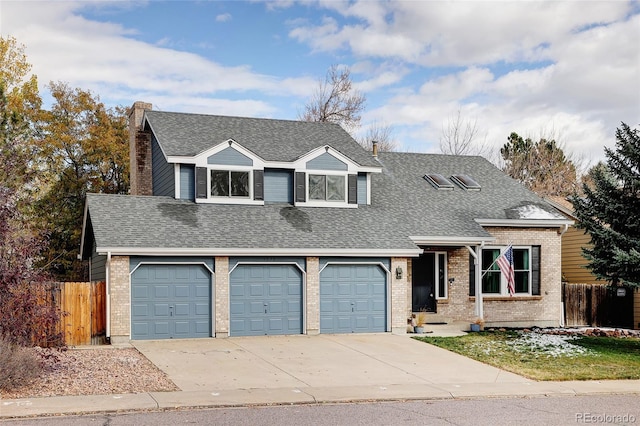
(550, 345)
(535, 212)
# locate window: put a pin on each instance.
(327, 187)
(438, 181)
(494, 281)
(227, 183)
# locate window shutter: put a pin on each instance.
(472, 276)
(301, 188)
(352, 185)
(535, 270)
(201, 182)
(258, 185)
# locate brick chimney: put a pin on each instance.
(139, 152)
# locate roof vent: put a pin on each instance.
(466, 182)
(438, 181)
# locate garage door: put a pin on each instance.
(170, 301)
(265, 300)
(353, 299)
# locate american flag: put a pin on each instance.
(505, 262)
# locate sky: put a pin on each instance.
(568, 70)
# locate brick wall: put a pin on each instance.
(120, 299)
(544, 310)
(139, 152)
(221, 295)
(636, 308)
(313, 295)
(400, 302)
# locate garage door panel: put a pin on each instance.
(353, 298)
(170, 301)
(273, 293)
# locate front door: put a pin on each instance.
(423, 283)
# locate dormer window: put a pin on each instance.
(229, 183)
(327, 187)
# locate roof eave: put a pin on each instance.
(525, 223)
(156, 251)
(451, 241)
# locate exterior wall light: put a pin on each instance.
(399, 273)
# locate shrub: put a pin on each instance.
(19, 365)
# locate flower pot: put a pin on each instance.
(475, 327)
(418, 329)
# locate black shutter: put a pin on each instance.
(301, 188)
(352, 185)
(472, 275)
(258, 185)
(201, 182)
(535, 270)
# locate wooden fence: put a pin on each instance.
(597, 305)
(82, 307)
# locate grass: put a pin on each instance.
(549, 357)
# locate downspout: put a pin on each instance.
(108, 296)
(566, 227)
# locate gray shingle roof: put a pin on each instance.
(181, 134)
(403, 205)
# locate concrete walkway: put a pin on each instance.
(309, 369)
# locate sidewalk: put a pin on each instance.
(308, 370)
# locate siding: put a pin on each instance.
(362, 188)
(326, 161)
(98, 265)
(573, 263)
(163, 179)
(187, 182)
(230, 157)
(278, 186)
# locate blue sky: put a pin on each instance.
(565, 69)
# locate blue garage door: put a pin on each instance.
(266, 300)
(353, 299)
(170, 301)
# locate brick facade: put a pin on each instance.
(400, 310)
(119, 292)
(313, 295)
(221, 297)
(544, 310)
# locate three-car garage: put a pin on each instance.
(177, 299)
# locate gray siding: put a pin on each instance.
(163, 176)
(326, 161)
(98, 265)
(187, 182)
(362, 188)
(230, 157)
(278, 186)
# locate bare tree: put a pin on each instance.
(460, 137)
(380, 133)
(335, 100)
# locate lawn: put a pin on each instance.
(541, 356)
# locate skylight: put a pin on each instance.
(466, 182)
(438, 181)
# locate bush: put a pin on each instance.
(19, 365)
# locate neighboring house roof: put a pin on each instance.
(182, 134)
(403, 205)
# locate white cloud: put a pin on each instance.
(225, 17)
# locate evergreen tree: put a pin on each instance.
(610, 212)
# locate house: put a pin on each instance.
(243, 226)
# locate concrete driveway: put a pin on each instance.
(320, 362)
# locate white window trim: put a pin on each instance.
(503, 280)
(229, 199)
(325, 203)
(437, 278)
